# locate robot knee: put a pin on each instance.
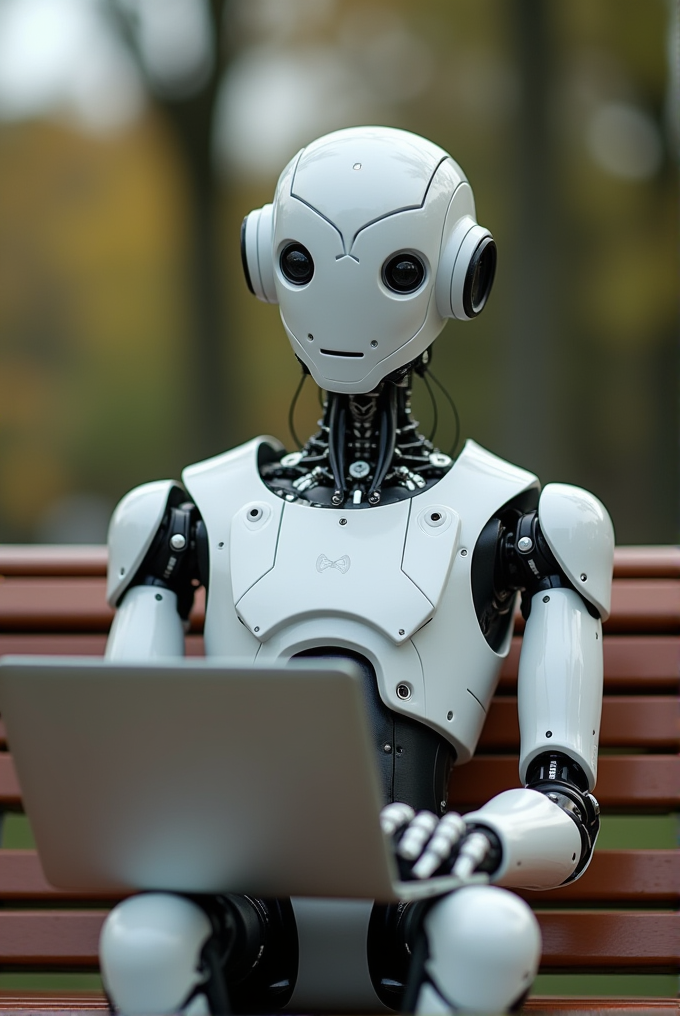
(150, 953)
(483, 948)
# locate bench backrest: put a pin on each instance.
(621, 915)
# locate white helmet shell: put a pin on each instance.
(374, 243)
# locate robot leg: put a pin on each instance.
(479, 951)
(155, 954)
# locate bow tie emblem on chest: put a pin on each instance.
(342, 564)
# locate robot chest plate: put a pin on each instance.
(386, 567)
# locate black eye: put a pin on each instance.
(296, 264)
(403, 273)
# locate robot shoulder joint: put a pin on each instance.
(579, 532)
(134, 525)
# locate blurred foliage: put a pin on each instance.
(571, 371)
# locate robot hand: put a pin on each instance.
(426, 845)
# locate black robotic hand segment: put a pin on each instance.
(426, 845)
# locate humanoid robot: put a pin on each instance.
(372, 544)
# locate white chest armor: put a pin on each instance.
(391, 582)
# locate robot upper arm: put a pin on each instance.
(156, 537)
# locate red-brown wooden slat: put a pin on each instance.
(65, 559)
(644, 877)
(648, 877)
(591, 940)
(645, 605)
(640, 606)
(597, 940)
(57, 938)
(63, 604)
(554, 1005)
(650, 782)
(631, 663)
(78, 604)
(33, 1003)
(647, 562)
(72, 644)
(62, 559)
(58, 1003)
(54, 604)
(22, 878)
(41, 1003)
(10, 792)
(630, 721)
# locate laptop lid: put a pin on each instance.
(197, 776)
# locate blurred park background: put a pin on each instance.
(136, 134)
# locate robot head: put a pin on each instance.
(370, 245)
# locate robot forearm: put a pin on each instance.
(147, 626)
(560, 682)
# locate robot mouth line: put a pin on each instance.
(340, 352)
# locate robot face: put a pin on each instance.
(357, 250)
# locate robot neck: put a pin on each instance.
(367, 451)
(372, 441)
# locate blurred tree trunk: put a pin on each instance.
(532, 387)
(191, 120)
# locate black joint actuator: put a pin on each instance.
(564, 782)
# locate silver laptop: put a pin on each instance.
(197, 776)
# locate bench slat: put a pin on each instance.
(616, 1006)
(63, 938)
(22, 878)
(631, 663)
(69, 604)
(72, 644)
(646, 877)
(647, 562)
(58, 559)
(650, 877)
(650, 782)
(645, 605)
(594, 939)
(627, 722)
(61, 1003)
(75, 603)
(597, 940)
(43, 1003)
(91, 559)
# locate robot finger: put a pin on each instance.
(472, 852)
(417, 834)
(395, 817)
(447, 834)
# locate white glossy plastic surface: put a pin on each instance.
(149, 951)
(580, 534)
(326, 569)
(559, 688)
(541, 843)
(146, 626)
(354, 199)
(259, 252)
(484, 948)
(313, 596)
(132, 529)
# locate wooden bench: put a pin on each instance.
(622, 916)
